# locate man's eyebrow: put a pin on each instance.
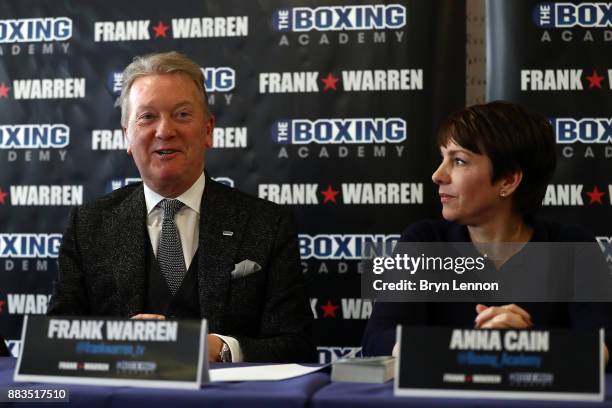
(181, 104)
(175, 106)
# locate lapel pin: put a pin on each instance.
(228, 233)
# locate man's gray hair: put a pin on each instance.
(159, 64)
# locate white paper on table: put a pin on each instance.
(271, 372)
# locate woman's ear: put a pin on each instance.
(510, 182)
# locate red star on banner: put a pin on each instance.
(160, 29)
(2, 196)
(4, 90)
(330, 82)
(329, 195)
(595, 195)
(329, 309)
(594, 80)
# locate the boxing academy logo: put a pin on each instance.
(595, 79)
(344, 308)
(584, 138)
(329, 354)
(219, 83)
(567, 22)
(325, 25)
(339, 131)
(338, 253)
(43, 88)
(342, 138)
(345, 193)
(29, 245)
(14, 347)
(368, 80)
(175, 28)
(605, 243)
(25, 303)
(34, 36)
(576, 195)
(117, 183)
(34, 142)
(42, 195)
(114, 139)
(28, 252)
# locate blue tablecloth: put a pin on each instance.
(313, 390)
(356, 395)
(295, 392)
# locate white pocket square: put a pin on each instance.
(245, 268)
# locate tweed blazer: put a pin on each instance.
(102, 269)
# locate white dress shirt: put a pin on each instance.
(187, 221)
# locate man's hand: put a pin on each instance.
(502, 317)
(147, 316)
(214, 348)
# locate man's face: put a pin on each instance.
(168, 132)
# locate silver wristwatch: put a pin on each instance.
(225, 355)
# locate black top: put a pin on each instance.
(379, 336)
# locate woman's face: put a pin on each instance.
(464, 186)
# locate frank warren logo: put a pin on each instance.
(348, 193)
(343, 21)
(574, 195)
(177, 28)
(347, 81)
(25, 303)
(345, 308)
(216, 80)
(43, 88)
(339, 131)
(31, 36)
(586, 22)
(223, 138)
(565, 79)
(22, 141)
(585, 138)
(43, 195)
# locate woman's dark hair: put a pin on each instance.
(513, 139)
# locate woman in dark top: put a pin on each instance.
(497, 160)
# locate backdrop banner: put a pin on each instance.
(327, 108)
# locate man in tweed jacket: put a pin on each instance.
(241, 253)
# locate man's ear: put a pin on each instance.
(129, 143)
(510, 182)
(208, 131)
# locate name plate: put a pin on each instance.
(101, 351)
(554, 364)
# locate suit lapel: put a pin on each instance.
(217, 251)
(126, 228)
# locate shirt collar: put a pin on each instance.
(192, 198)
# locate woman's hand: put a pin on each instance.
(502, 317)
